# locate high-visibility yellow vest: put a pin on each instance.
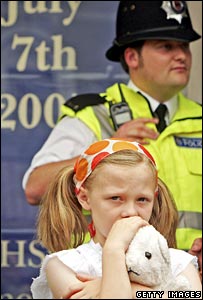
(177, 151)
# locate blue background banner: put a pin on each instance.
(51, 51)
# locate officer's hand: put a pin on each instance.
(136, 130)
(196, 250)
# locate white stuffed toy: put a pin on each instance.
(148, 262)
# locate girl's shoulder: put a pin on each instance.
(85, 258)
(85, 254)
(180, 259)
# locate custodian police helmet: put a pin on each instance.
(144, 20)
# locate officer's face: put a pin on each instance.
(163, 67)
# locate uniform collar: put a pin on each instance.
(172, 104)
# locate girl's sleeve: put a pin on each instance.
(39, 286)
(72, 258)
(180, 259)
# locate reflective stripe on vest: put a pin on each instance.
(189, 219)
(103, 117)
(189, 228)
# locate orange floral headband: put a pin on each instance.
(90, 158)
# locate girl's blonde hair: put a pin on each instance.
(61, 223)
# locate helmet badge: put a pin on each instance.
(175, 9)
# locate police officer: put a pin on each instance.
(153, 45)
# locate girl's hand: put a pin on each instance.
(122, 232)
(88, 288)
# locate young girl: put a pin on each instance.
(117, 182)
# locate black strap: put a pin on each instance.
(79, 102)
(121, 93)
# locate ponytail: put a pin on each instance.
(165, 215)
(61, 223)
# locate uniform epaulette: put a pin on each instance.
(81, 101)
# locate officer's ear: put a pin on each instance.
(131, 57)
(83, 198)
